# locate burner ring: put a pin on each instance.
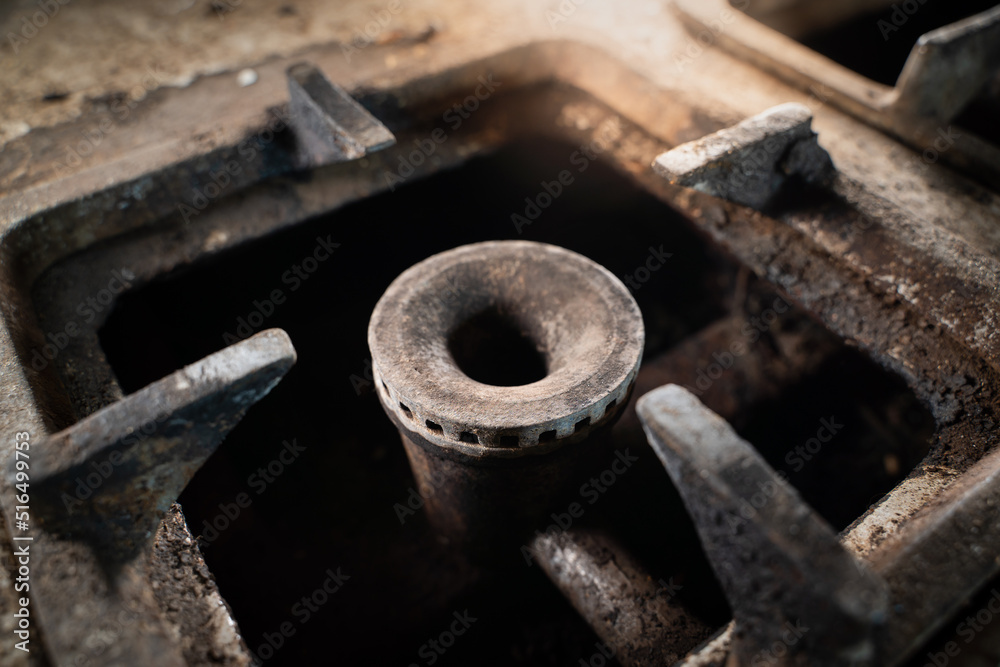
(443, 317)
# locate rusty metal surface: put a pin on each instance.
(637, 617)
(788, 580)
(940, 469)
(198, 616)
(117, 53)
(577, 321)
(916, 118)
(552, 342)
(958, 533)
(101, 488)
(955, 533)
(486, 508)
(949, 67)
(750, 162)
(146, 447)
(904, 265)
(329, 125)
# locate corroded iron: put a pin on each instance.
(750, 162)
(639, 618)
(569, 338)
(104, 485)
(798, 596)
(330, 126)
(111, 477)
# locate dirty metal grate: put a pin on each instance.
(187, 309)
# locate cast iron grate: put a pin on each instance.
(333, 504)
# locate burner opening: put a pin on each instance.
(493, 347)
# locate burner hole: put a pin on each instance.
(492, 348)
(471, 438)
(386, 388)
(548, 436)
(508, 441)
(433, 426)
(406, 410)
(610, 406)
(582, 424)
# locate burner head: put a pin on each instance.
(490, 358)
(505, 348)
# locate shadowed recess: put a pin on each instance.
(492, 348)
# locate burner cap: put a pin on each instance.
(505, 348)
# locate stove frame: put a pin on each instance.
(901, 263)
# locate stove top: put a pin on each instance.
(201, 205)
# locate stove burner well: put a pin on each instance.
(334, 505)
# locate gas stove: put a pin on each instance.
(692, 350)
